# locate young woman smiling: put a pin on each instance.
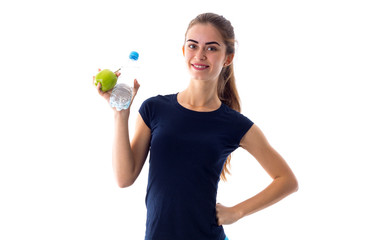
(190, 136)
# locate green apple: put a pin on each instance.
(107, 78)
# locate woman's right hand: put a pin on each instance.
(106, 95)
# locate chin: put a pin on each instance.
(202, 79)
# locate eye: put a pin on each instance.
(192, 46)
(212, 48)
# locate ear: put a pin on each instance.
(228, 60)
(183, 50)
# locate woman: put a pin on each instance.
(190, 136)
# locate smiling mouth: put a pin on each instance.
(199, 66)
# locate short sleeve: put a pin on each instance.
(243, 124)
(146, 112)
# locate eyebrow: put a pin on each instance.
(208, 43)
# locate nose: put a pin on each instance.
(200, 54)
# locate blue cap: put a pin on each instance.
(134, 55)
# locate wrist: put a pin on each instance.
(121, 115)
(238, 211)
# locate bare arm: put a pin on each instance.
(283, 184)
(129, 156)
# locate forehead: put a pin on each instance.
(203, 33)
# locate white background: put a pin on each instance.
(311, 74)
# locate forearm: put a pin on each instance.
(122, 155)
(277, 190)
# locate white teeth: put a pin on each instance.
(199, 66)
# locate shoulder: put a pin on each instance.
(235, 115)
(154, 107)
(158, 103)
(238, 124)
(159, 99)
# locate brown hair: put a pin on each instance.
(226, 86)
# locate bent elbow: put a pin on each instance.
(293, 184)
(121, 185)
(124, 183)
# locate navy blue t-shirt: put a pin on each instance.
(187, 153)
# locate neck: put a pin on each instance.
(200, 96)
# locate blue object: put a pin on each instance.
(187, 153)
(134, 55)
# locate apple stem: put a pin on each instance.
(117, 70)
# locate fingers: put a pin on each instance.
(136, 87)
(99, 88)
(218, 205)
(94, 77)
(136, 84)
(107, 94)
(219, 221)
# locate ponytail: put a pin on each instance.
(227, 92)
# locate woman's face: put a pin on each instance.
(205, 52)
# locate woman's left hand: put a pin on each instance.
(226, 215)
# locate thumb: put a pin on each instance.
(136, 86)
